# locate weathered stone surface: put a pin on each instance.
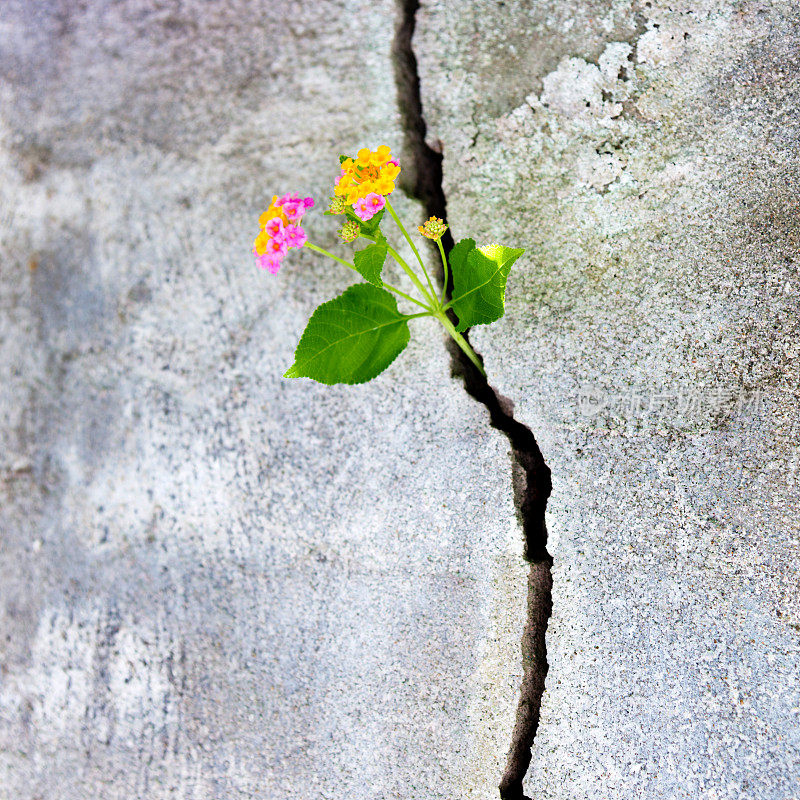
(646, 154)
(217, 583)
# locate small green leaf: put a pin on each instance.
(479, 281)
(351, 338)
(368, 228)
(369, 261)
(342, 158)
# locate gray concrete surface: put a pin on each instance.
(217, 583)
(647, 156)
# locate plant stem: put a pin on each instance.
(444, 267)
(460, 341)
(413, 275)
(330, 255)
(410, 272)
(413, 247)
(429, 309)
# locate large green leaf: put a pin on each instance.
(369, 261)
(479, 281)
(351, 338)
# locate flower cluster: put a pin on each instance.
(280, 230)
(433, 228)
(367, 180)
(349, 232)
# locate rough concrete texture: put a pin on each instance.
(217, 583)
(646, 154)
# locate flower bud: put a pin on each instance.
(434, 228)
(338, 205)
(349, 231)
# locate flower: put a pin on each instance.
(372, 171)
(369, 206)
(293, 236)
(277, 247)
(294, 198)
(294, 208)
(269, 262)
(277, 234)
(337, 206)
(433, 228)
(260, 244)
(349, 231)
(274, 226)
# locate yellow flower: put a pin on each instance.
(390, 171)
(383, 185)
(260, 244)
(382, 155)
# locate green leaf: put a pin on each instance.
(479, 281)
(369, 261)
(342, 158)
(351, 338)
(368, 228)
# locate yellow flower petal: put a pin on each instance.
(384, 186)
(390, 171)
(260, 243)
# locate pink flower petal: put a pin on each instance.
(287, 198)
(274, 226)
(294, 236)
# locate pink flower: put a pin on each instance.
(367, 207)
(362, 210)
(287, 198)
(375, 202)
(294, 236)
(294, 206)
(274, 226)
(269, 261)
(294, 209)
(277, 246)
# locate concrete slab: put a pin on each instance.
(217, 583)
(646, 157)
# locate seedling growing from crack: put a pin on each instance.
(354, 337)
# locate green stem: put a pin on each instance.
(413, 247)
(411, 274)
(330, 255)
(460, 341)
(429, 309)
(444, 267)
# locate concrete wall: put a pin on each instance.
(216, 583)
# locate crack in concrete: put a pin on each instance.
(422, 178)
